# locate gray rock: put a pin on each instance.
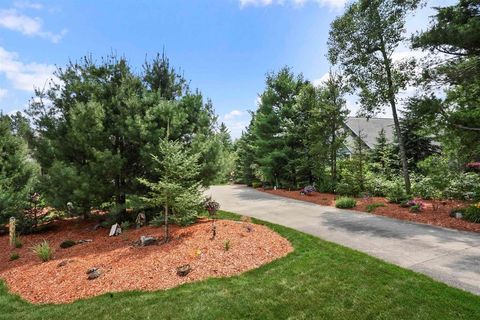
(147, 240)
(115, 230)
(182, 271)
(85, 241)
(458, 215)
(94, 275)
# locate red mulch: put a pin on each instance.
(439, 217)
(127, 267)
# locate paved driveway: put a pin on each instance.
(446, 255)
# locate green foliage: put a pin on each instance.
(184, 220)
(14, 256)
(396, 193)
(18, 173)
(125, 225)
(372, 206)
(43, 251)
(17, 243)
(226, 245)
(158, 221)
(178, 190)
(345, 203)
(256, 184)
(415, 208)
(362, 41)
(454, 33)
(67, 244)
(97, 127)
(472, 214)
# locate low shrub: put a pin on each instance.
(308, 190)
(227, 245)
(183, 221)
(372, 206)
(396, 193)
(211, 206)
(415, 205)
(17, 242)
(125, 225)
(472, 214)
(43, 251)
(67, 244)
(345, 203)
(158, 220)
(14, 256)
(256, 184)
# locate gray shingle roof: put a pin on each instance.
(369, 129)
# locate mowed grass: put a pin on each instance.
(319, 280)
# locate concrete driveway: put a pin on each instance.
(446, 255)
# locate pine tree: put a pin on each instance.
(178, 190)
(384, 157)
(18, 172)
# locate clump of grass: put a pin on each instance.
(345, 203)
(14, 256)
(17, 242)
(67, 244)
(372, 206)
(125, 225)
(227, 245)
(43, 251)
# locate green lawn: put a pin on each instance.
(319, 280)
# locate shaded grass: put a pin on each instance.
(319, 280)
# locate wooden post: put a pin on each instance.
(11, 228)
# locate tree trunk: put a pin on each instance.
(391, 98)
(333, 158)
(165, 227)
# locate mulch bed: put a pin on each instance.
(428, 215)
(125, 266)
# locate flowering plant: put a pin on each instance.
(211, 205)
(307, 190)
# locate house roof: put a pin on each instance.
(369, 129)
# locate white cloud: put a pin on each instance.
(27, 5)
(233, 114)
(236, 121)
(3, 93)
(13, 20)
(322, 80)
(335, 4)
(24, 76)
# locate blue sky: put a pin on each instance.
(225, 47)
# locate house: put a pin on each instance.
(368, 129)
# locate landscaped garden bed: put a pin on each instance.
(317, 280)
(439, 216)
(123, 265)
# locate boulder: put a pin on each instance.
(147, 241)
(182, 271)
(93, 273)
(115, 230)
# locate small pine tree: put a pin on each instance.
(17, 172)
(178, 189)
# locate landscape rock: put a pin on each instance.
(182, 271)
(84, 241)
(64, 263)
(148, 241)
(115, 230)
(141, 220)
(458, 215)
(93, 273)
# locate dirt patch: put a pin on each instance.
(124, 266)
(439, 217)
